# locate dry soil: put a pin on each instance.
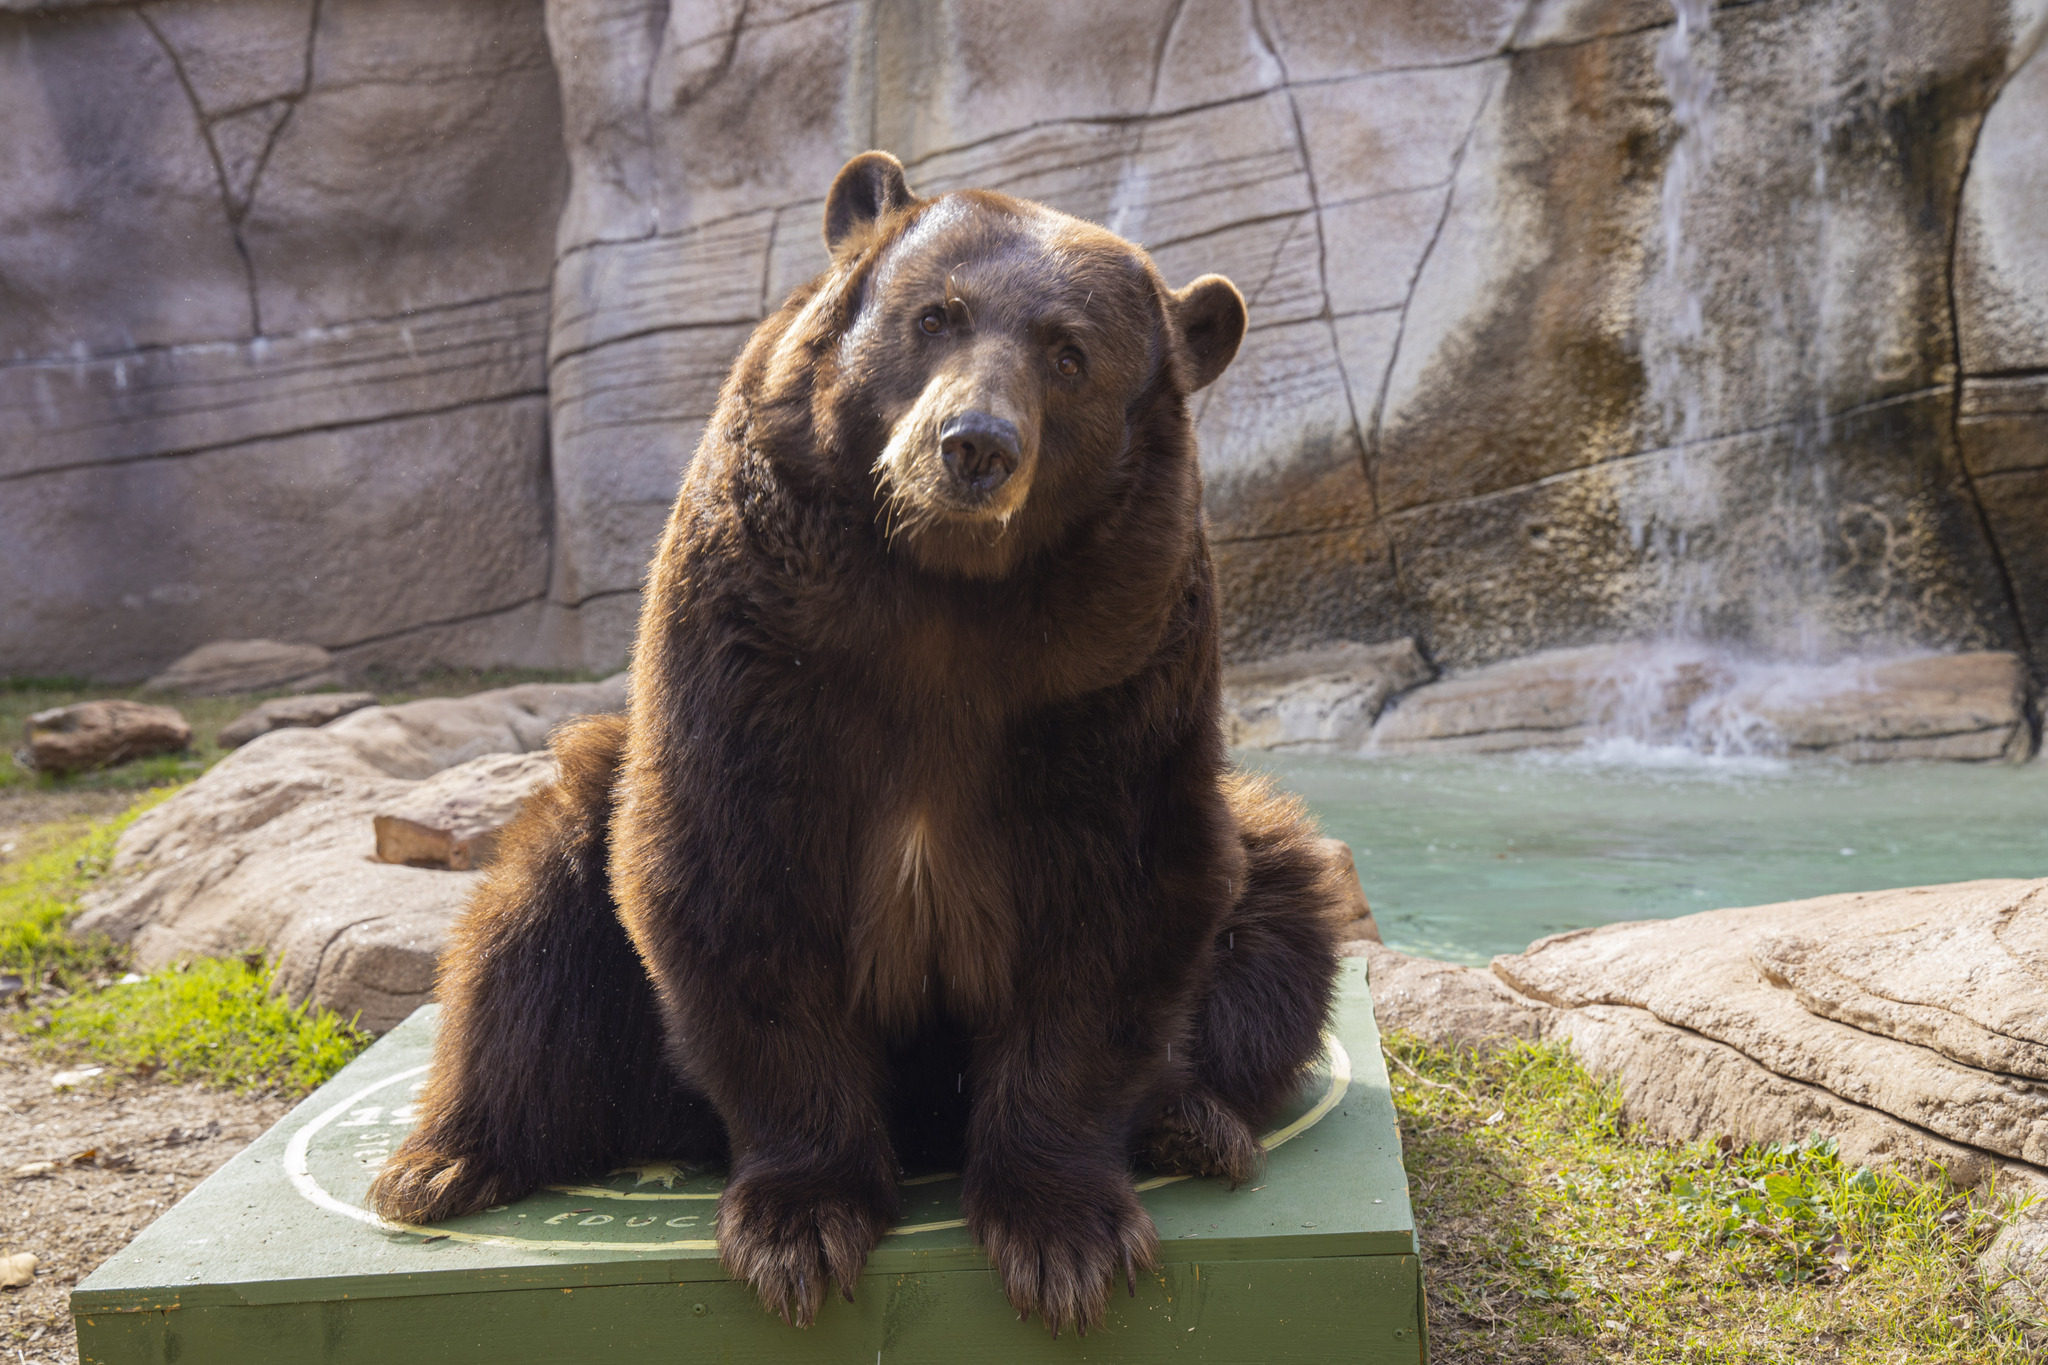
(124, 1149)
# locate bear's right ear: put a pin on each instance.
(866, 187)
(1212, 319)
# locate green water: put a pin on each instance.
(1465, 858)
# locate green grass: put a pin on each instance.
(39, 892)
(1552, 1233)
(215, 1021)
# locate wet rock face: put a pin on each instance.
(459, 281)
(1954, 707)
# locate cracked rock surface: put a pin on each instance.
(395, 321)
(1449, 222)
(274, 848)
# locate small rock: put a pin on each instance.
(229, 666)
(31, 1169)
(64, 1080)
(1353, 914)
(100, 734)
(18, 1270)
(289, 713)
(453, 820)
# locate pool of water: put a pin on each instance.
(1465, 858)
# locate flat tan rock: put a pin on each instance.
(274, 848)
(1444, 1002)
(1318, 701)
(286, 713)
(100, 734)
(1969, 981)
(1696, 973)
(453, 819)
(1680, 1086)
(229, 666)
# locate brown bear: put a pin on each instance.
(919, 842)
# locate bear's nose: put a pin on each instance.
(980, 449)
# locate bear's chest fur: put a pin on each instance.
(934, 926)
(931, 927)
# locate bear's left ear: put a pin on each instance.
(866, 187)
(1211, 317)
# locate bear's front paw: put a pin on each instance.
(1058, 1250)
(1194, 1134)
(422, 1185)
(787, 1234)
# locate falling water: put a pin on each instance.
(1686, 691)
(1684, 497)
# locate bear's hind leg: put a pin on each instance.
(548, 1062)
(1269, 997)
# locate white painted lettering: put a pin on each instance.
(595, 1220)
(361, 1118)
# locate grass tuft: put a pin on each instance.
(216, 1020)
(1552, 1233)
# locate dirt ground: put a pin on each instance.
(29, 816)
(125, 1149)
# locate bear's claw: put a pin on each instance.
(421, 1185)
(1195, 1134)
(1056, 1261)
(791, 1244)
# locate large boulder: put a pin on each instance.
(274, 849)
(1911, 1026)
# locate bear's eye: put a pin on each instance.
(933, 322)
(1069, 363)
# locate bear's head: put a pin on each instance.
(1002, 367)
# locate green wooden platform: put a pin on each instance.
(275, 1259)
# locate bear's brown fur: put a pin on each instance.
(919, 841)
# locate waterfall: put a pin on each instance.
(1685, 690)
(1681, 496)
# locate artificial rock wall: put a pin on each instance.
(1517, 378)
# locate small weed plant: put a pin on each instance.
(218, 1021)
(1551, 1233)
